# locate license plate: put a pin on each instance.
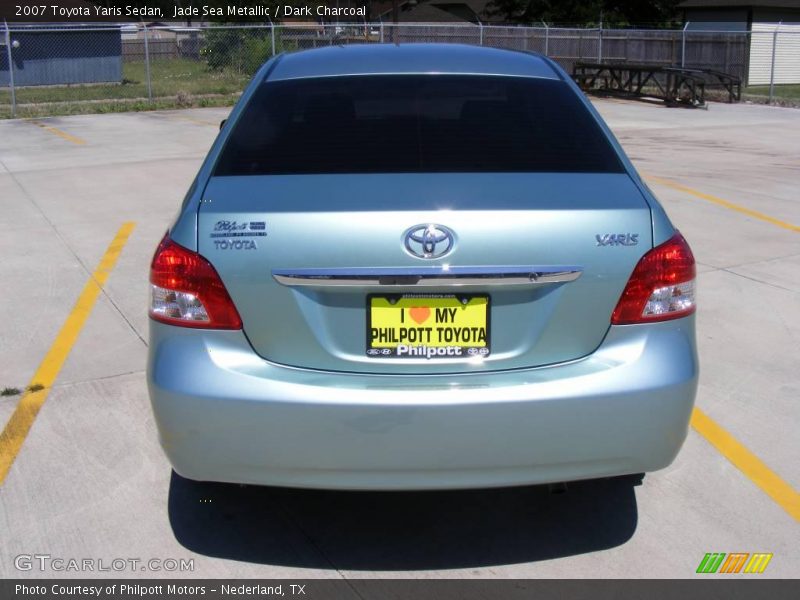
(428, 326)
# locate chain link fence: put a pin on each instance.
(61, 69)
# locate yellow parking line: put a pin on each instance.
(59, 133)
(738, 208)
(748, 463)
(193, 120)
(18, 426)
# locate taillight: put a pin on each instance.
(186, 290)
(661, 286)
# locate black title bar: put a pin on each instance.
(712, 588)
(193, 11)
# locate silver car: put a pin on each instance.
(419, 267)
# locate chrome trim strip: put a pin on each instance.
(427, 276)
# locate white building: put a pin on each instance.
(770, 23)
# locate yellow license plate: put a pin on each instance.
(428, 326)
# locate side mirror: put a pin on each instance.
(222, 123)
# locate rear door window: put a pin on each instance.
(416, 124)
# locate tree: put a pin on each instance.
(587, 12)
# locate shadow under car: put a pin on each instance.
(398, 531)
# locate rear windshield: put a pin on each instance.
(416, 124)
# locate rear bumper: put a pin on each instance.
(225, 414)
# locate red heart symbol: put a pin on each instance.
(419, 313)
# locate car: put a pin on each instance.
(414, 266)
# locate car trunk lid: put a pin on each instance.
(278, 243)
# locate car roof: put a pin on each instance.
(399, 59)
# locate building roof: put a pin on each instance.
(423, 13)
(391, 59)
(740, 4)
(437, 11)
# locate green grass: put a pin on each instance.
(789, 91)
(14, 391)
(175, 83)
(33, 111)
(169, 77)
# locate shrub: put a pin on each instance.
(240, 50)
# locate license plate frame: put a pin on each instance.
(478, 346)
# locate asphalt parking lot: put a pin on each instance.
(89, 480)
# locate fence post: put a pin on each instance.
(381, 32)
(272, 33)
(546, 39)
(772, 67)
(147, 65)
(600, 45)
(11, 72)
(481, 32)
(683, 45)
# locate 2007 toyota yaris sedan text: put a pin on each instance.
(419, 267)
